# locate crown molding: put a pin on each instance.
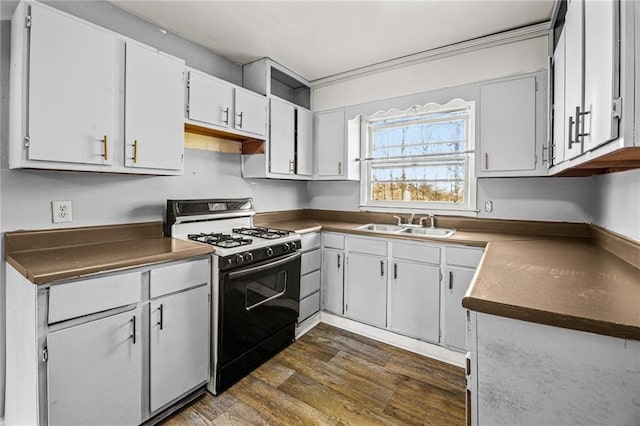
(511, 36)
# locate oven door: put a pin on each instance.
(257, 302)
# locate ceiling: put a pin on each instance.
(318, 39)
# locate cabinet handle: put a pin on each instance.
(577, 126)
(240, 122)
(338, 260)
(580, 130)
(161, 322)
(292, 166)
(395, 271)
(226, 116)
(339, 167)
(570, 131)
(486, 161)
(133, 335)
(106, 148)
(450, 280)
(135, 151)
(382, 268)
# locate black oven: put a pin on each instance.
(257, 312)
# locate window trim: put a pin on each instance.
(468, 208)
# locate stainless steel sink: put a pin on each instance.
(380, 227)
(430, 232)
(407, 229)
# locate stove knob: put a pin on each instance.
(269, 252)
(294, 245)
(228, 261)
(286, 247)
(239, 259)
(248, 256)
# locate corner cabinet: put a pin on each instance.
(137, 340)
(68, 87)
(513, 127)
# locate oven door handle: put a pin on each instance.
(270, 265)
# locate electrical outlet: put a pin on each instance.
(61, 211)
(488, 206)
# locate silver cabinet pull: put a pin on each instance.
(571, 122)
(133, 335)
(161, 322)
(395, 271)
(240, 122)
(577, 125)
(226, 116)
(486, 161)
(382, 268)
(450, 280)
(338, 260)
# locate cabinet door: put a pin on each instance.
(366, 289)
(559, 118)
(601, 35)
(508, 125)
(250, 112)
(457, 281)
(154, 115)
(281, 137)
(574, 82)
(73, 77)
(209, 100)
(330, 144)
(94, 372)
(333, 281)
(304, 142)
(415, 300)
(179, 344)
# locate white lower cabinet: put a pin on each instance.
(94, 372)
(415, 300)
(117, 361)
(179, 344)
(310, 276)
(366, 289)
(411, 288)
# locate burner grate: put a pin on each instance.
(220, 240)
(260, 232)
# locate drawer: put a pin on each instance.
(310, 261)
(464, 256)
(310, 241)
(367, 246)
(416, 252)
(309, 283)
(333, 240)
(176, 277)
(84, 297)
(309, 306)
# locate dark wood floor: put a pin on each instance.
(331, 376)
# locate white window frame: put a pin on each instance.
(468, 208)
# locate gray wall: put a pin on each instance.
(616, 203)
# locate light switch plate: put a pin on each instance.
(61, 211)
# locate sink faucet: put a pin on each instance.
(398, 220)
(431, 218)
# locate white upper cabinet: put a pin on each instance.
(574, 83)
(331, 137)
(250, 112)
(70, 88)
(210, 100)
(304, 142)
(282, 137)
(559, 135)
(512, 127)
(72, 80)
(154, 99)
(600, 73)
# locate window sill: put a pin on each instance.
(426, 210)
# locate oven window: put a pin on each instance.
(265, 289)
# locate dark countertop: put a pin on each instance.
(43, 260)
(568, 282)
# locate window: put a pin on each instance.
(421, 158)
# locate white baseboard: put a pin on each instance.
(407, 343)
(306, 325)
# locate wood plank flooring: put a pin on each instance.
(329, 377)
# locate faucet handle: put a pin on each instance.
(398, 220)
(422, 219)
